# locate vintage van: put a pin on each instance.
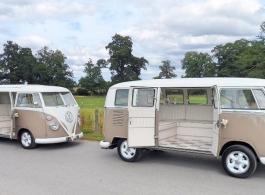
(224, 117)
(37, 114)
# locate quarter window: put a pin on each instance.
(121, 98)
(174, 96)
(197, 96)
(260, 97)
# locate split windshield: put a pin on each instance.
(58, 99)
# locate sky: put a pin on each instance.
(160, 29)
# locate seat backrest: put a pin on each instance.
(5, 109)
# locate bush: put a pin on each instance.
(81, 91)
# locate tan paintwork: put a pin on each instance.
(31, 120)
(37, 124)
(60, 132)
(244, 127)
(119, 128)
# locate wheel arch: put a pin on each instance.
(115, 142)
(116, 139)
(232, 143)
(20, 132)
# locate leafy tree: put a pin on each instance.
(167, 71)
(16, 64)
(198, 65)
(123, 65)
(262, 30)
(254, 58)
(51, 69)
(93, 82)
(235, 59)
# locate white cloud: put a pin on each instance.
(33, 42)
(160, 30)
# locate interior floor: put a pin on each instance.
(187, 142)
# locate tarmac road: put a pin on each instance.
(81, 167)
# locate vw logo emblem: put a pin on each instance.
(69, 117)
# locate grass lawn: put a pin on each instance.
(87, 115)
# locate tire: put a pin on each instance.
(239, 161)
(27, 140)
(128, 154)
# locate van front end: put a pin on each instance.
(57, 131)
(63, 124)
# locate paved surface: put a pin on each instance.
(83, 168)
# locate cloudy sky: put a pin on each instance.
(160, 29)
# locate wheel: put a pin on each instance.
(239, 161)
(27, 140)
(128, 154)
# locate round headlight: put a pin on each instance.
(54, 126)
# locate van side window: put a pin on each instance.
(174, 96)
(260, 97)
(197, 96)
(25, 100)
(237, 99)
(121, 97)
(143, 97)
(36, 99)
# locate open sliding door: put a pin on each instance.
(141, 124)
(216, 123)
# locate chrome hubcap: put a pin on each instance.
(26, 139)
(237, 162)
(126, 151)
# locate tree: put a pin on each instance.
(167, 71)
(198, 65)
(123, 65)
(51, 69)
(16, 64)
(262, 30)
(235, 59)
(93, 82)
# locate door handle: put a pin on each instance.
(130, 121)
(224, 122)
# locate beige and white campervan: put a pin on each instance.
(224, 117)
(37, 114)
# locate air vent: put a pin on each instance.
(117, 118)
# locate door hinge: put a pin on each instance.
(156, 137)
(217, 124)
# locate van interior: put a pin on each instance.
(186, 119)
(5, 114)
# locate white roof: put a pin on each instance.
(195, 82)
(32, 88)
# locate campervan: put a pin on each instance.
(223, 117)
(38, 114)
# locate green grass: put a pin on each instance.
(87, 115)
(90, 102)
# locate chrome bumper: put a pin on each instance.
(58, 139)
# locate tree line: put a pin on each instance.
(243, 58)
(18, 65)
